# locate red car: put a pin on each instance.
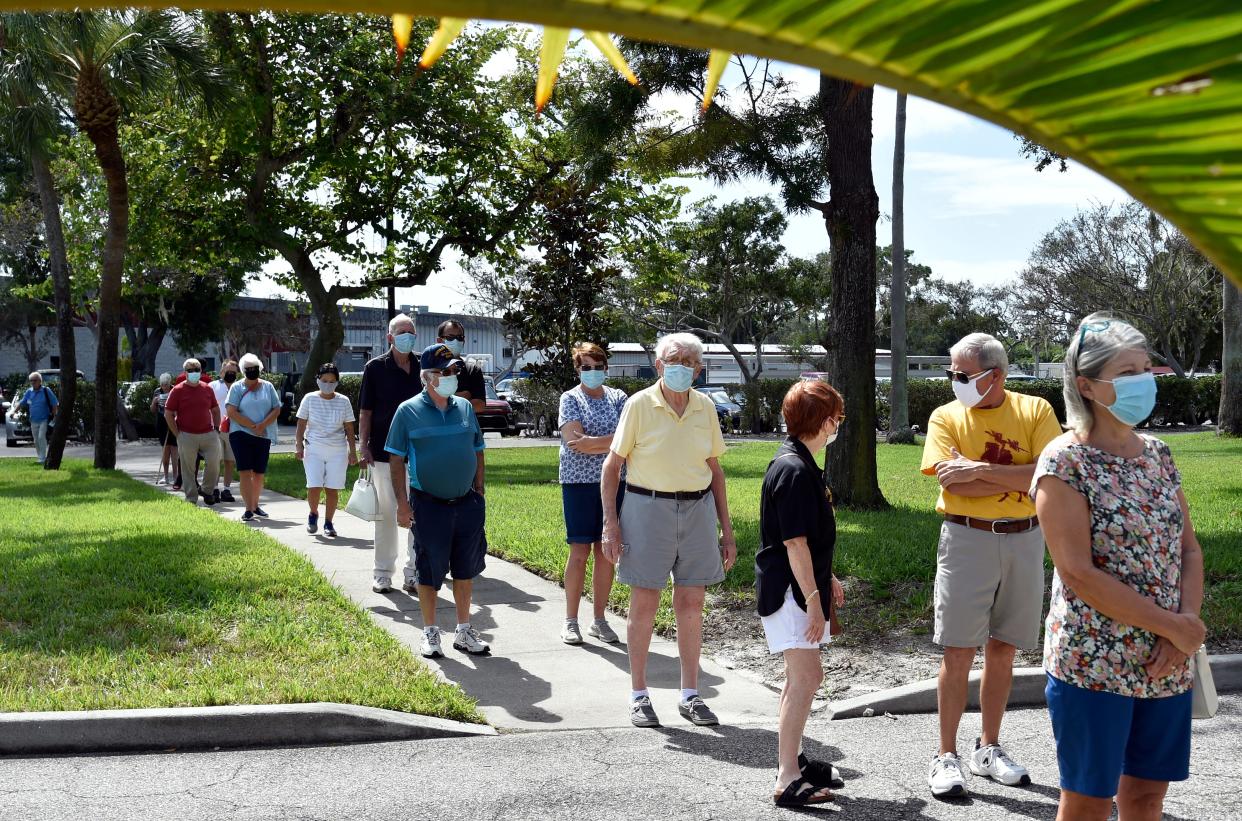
(498, 415)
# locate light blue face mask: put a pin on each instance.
(404, 342)
(593, 379)
(447, 386)
(678, 378)
(455, 345)
(1136, 397)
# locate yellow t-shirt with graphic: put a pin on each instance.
(1013, 434)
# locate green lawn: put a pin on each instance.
(888, 555)
(116, 595)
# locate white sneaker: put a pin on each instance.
(945, 777)
(431, 643)
(382, 585)
(570, 634)
(992, 762)
(601, 631)
(161, 481)
(468, 640)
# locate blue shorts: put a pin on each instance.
(251, 451)
(448, 537)
(1101, 736)
(584, 511)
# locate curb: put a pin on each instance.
(187, 728)
(1028, 691)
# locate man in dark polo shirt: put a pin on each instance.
(437, 435)
(387, 381)
(473, 389)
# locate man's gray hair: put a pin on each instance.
(685, 344)
(984, 349)
(1097, 340)
(34, 375)
(191, 361)
(398, 320)
(249, 360)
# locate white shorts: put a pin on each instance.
(325, 466)
(786, 628)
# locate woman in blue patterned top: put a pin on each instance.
(588, 417)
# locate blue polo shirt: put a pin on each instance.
(39, 403)
(439, 446)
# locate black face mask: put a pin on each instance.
(252, 373)
(230, 378)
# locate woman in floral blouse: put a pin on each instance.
(1124, 618)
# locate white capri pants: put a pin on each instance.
(325, 465)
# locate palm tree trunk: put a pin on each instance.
(899, 410)
(1229, 420)
(49, 202)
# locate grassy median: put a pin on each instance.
(115, 595)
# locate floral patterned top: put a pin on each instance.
(599, 417)
(1136, 536)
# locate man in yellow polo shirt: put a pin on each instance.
(669, 441)
(990, 562)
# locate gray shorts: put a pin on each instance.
(988, 585)
(664, 536)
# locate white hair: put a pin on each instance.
(165, 378)
(397, 320)
(1097, 341)
(686, 344)
(250, 361)
(984, 349)
(185, 366)
(35, 375)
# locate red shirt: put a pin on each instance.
(192, 406)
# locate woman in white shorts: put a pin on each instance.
(325, 444)
(794, 586)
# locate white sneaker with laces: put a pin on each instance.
(603, 632)
(431, 643)
(382, 585)
(570, 633)
(468, 640)
(945, 777)
(991, 761)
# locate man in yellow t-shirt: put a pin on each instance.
(982, 448)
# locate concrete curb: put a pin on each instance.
(1028, 691)
(186, 728)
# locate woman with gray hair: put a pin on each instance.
(1124, 617)
(253, 406)
(168, 442)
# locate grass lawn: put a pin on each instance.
(116, 595)
(889, 555)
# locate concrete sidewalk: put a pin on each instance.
(532, 680)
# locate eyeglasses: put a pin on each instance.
(453, 371)
(962, 376)
(592, 367)
(1093, 327)
(454, 337)
(841, 419)
(688, 363)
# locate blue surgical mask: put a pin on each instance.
(192, 377)
(593, 379)
(454, 345)
(326, 387)
(447, 386)
(1136, 397)
(404, 343)
(678, 378)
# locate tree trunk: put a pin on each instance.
(1229, 419)
(899, 409)
(144, 346)
(49, 202)
(850, 217)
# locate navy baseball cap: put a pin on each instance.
(437, 357)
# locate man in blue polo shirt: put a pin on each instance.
(440, 498)
(41, 404)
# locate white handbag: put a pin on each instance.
(364, 501)
(1204, 700)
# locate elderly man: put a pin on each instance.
(669, 441)
(440, 498)
(452, 334)
(41, 405)
(990, 563)
(193, 416)
(387, 381)
(220, 387)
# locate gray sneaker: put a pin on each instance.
(383, 584)
(642, 714)
(570, 634)
(696, 712)
(601, 631)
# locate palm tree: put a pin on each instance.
(105, 63)
(1229, 422)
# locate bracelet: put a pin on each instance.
(814, 593)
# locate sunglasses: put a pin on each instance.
(1093, 327)
(454, 337)
(962, 376)
(193, 370)
(592, 367)
(453, 371)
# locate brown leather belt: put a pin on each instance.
(680, 495)
(999, 526)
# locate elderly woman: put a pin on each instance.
(325, 445)
(589, 414)
(794, 585)
(253, 406)
(168, 442)
(1124, 617)
(669, 441)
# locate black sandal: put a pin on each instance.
(801, 793)
(820, 773)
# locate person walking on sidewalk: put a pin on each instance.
(194, 417)
(441, 499)
(387, 381)
(220, 387)
(253, 406)
(168, 442)
(669, 441)
(325, 445)
(1124, 618)
(41, 405)
(990, 561)
(589, 413)
(795, 589)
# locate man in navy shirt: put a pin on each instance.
(440, 497)
(42, 404)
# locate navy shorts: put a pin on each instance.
(448, 537)
(251, 452)
(1101, 736)
(584, 511)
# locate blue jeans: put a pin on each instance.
(39, 429)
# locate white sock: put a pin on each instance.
(573, 620)
(635, 695)
(465, 626)
(687, 694)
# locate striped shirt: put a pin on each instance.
(325, 418)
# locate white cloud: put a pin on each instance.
(923, 118)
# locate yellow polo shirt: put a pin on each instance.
(664, 451)
(1013, 434)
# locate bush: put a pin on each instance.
(1207, 396)
(138, 403)
(925, 395)
(761, 402)
(630, 385)
(84, 407)
(1048, 389)
(14, 386)
(351, 388)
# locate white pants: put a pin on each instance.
(386, 530)
(325, 466)
(39, 430)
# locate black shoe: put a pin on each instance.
(225, 496)
(209, 499)
(260, 512)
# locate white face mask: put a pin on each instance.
(832, 437)
(968, 394)
(447, 386)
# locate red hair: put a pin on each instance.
(809, 404)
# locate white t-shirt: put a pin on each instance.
(326, 418)
(221, 389)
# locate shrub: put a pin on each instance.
(1048, 389)
(1207, 396)
(351, 388)
(138, 402)
(761, 402)
(630, 385)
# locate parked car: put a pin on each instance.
(728, 411)
(535, 407)
(498, 415)
(506, 387)
(17, 426)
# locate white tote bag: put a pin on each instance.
(364, 502)
(1204, 700)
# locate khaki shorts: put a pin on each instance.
(226, 449)
(660, 537)
(988, 585)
